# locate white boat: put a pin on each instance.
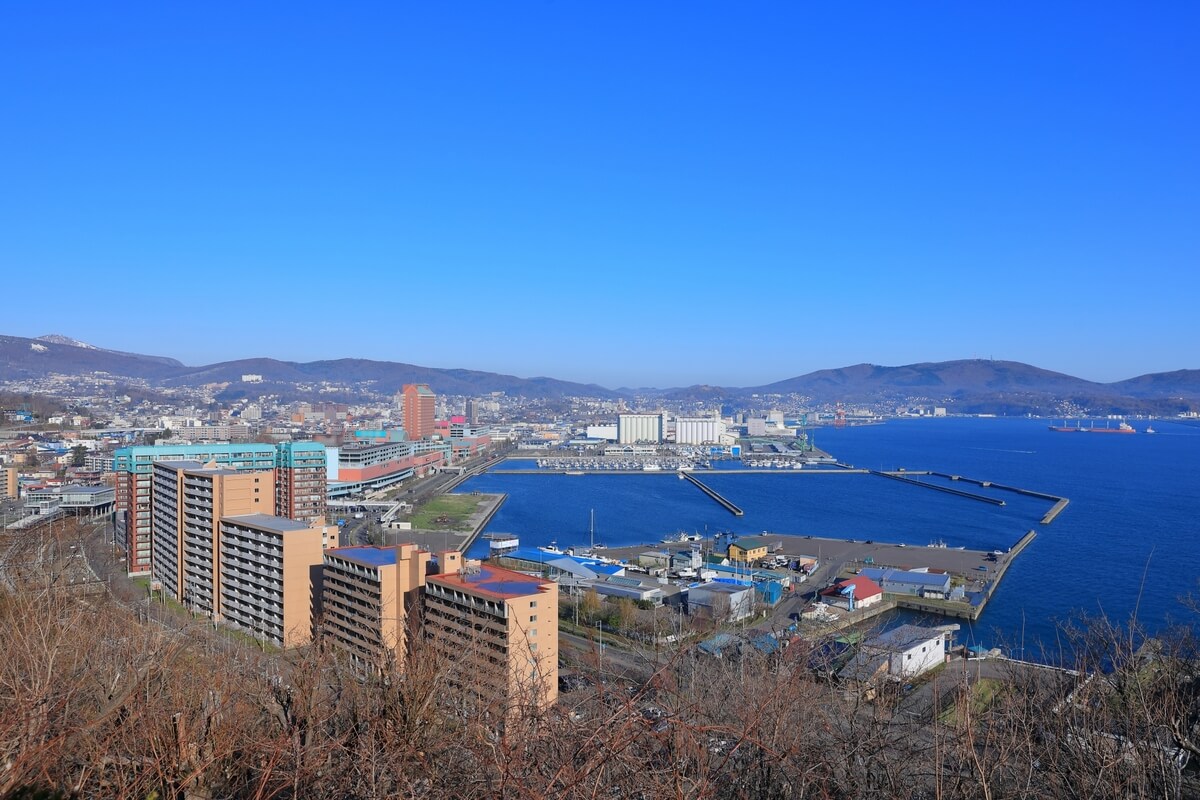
(651, 467)
(1150, 429)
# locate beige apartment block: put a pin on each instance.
(270, 583)
(8, 482)
(188, 499)
(369, 596)
(497, 632)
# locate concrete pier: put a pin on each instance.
(1060, 503)
(898, 477)
(1055, 511)
(730, 507)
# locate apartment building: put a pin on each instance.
(8, 482)
(419, 403)
(368, 599)
(497, 631)
(296, 462)
(270, 577)
(188, 500)
(301, 481)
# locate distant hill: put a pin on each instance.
(31, 358)
(385, 376)
(942, 379)
(57, 338)
(971, 386)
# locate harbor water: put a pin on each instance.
(1129, 540)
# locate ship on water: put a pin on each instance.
(1124, 427)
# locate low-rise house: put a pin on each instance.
(721, 601)
(853, 594)
(749, 548)
(900, 654)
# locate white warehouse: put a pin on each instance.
(698, 430)
(634, 428)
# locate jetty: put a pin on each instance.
(1060, 503)
(896, 476)
(730, 507)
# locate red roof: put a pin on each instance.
(864, 588)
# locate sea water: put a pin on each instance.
(1128, 543)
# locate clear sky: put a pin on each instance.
(636, 194)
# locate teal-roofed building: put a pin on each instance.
(300, 484)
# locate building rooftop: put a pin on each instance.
(903, 637)
(182, 463)
(906, 576)
(268, 522)
(752, 542)
(370, 555)
(721, 588)
(864, 587)
(493, 581)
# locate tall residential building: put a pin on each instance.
(472, 414)
(270, 577)
(8, 482)
(419, 404)
(301, 481)
(639, 428)
(188, 501)
(133, 467)
(368, 596)
(497, 631)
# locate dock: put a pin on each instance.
(1055, 511)
(902, 477)
(1060, 503)
(730, 507)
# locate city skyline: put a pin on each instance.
(623, 196)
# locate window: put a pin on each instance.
(533, 617)
(532, 632)
(533, 646)
(533, 603)
(908, 656)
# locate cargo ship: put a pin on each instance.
(1124, 427)
(1078, 428)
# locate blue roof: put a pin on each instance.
(503, 581)
(881, 574)
(366, 554)
(718, 643)
(766, 643)
(605, 569)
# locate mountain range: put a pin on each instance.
(969, 386)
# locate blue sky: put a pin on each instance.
(631, 195)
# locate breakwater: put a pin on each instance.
(728, 506)
(1060, 503)
(948, 490)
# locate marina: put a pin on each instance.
(1115, 493)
